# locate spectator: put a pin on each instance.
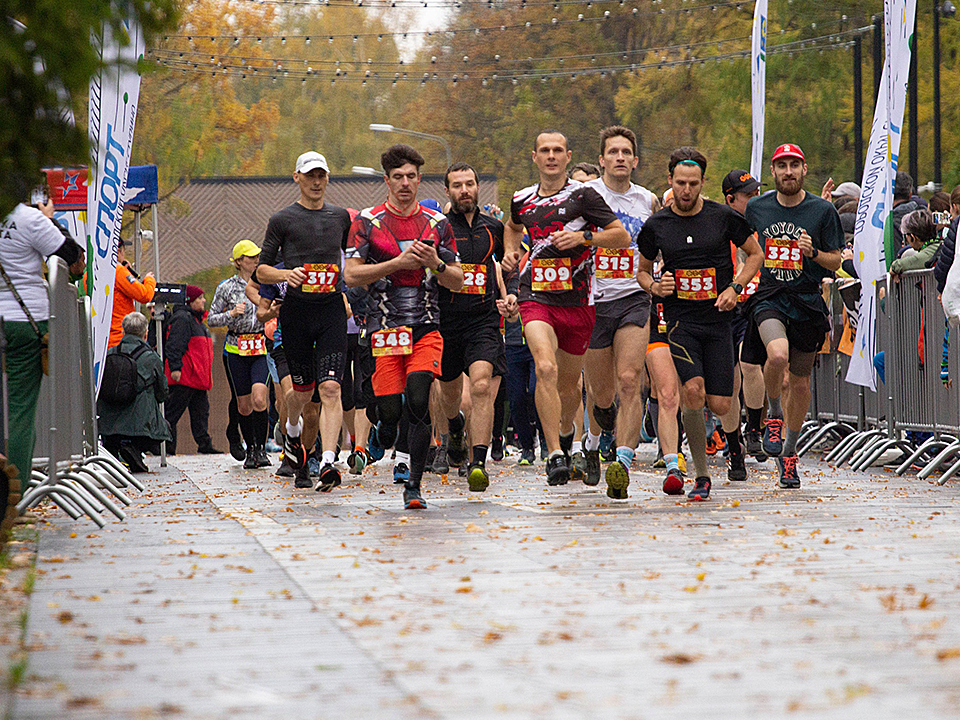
(920, 232)
(939, 205)
(902, 205)
(948, 247)
(27, 237)
(127, 290)
(189, 370)
(130, 430)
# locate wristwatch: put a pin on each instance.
(587, 237)
(440, 268)
(815, 253)
(738, 288)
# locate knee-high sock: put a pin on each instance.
(246, 429)
(696, 429)
(260, 423)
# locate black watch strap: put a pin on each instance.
(737, 287)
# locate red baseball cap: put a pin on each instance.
(788, 150)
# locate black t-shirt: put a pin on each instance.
(302, 236)
(480, 247)
(696, 249)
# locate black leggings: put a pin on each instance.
(414, 404)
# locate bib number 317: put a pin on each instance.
(392, 341)
(321, 277)
(551, 275)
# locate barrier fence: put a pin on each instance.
(914, 410)
(70, 467)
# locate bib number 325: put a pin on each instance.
(783, 254)
(551, 275)
(392, 341)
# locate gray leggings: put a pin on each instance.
(801, 363)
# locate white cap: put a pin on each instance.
(310, 160)
(848, 189)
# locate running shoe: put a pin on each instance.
(659, 462)
(578, 467)
(295, 452)
(608, 446)
(441, 466)
(373, 446)
(357, 461)
(457, 446)
(527, 457)
(682, 463)
(773, 437)
(401, 473)
(673, 483)
(618, 478)
(701, 490)
(271, 446)
(566, 443)
(431, 456)
(496, 449)
(250, 463)
(477, 478)
(593, 468)
(787, 465)
(755, 445)
(737, 469)
(303, 478)
(462, 470)
(557, 471)
(278, 435)
(313, 465)
(238, 451)
(412, 500)
(714, 443)
(329, 478)
(285, 470)
(262, 459)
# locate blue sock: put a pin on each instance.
(625, 455)
(672, 462)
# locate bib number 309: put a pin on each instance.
(697, 284)
(551, 275)
(392, 341)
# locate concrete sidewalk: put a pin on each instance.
(228, 593)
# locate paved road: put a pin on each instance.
(229, 594)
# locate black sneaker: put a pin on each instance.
(285, 470)
(578, 467)
(412, 500)
(673, 482)
(401, 473)
(593, 468)
(441, 466)
(462, 470)
(773, 437)
(329, 478)
(608, 446)
(618, 479)
(250, 463)
(303, 478)
(431, 456)
(237, 450)
(457, 446)
(737, 469)
(133, 458)
(496, 449)
(755, 445)
(526, 457)
(787, 465)
(211, 450)
(295, 452)
(262, 459)
(701, 490)
(557, 471)
(477, 478)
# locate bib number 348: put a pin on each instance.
(392, 341)
(697, 284)
(551, 275)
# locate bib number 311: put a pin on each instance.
(392, 341)
(551, 275)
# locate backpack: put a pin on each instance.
(119, 384)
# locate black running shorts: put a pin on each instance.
(705, 351)
(314, 341)
(468, 341)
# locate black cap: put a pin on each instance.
(739, 181)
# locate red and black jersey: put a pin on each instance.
(480, 247)
(558, 277)
(406, 297)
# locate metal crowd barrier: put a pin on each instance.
(75, 473)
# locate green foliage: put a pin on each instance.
(46, 59)
(209, 279)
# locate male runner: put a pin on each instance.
(699, 293)
(403, 251)
(614, 362)
(470, 324)
(310, 236)
(802, 239)
(556, 285)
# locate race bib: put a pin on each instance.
(551, 275)
(697, 284)
(392, 341)
(251, 344)
(614, 264)
(474, 279)
(750, 289)
(661, 320)
(321, 277)
(783, 254)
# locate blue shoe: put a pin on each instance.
(271, 446)
(373, 446)
(401, 473)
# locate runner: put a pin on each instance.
(614, 362)
(470, 325)
(403, 252)
(802, 239)
(310, 235)
(699, 292)
(556, 285)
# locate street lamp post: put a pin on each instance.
(383, 127)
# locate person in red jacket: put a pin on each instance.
(189, 370)
(128, 289)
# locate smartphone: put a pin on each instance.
(40, 195)
(427, 241)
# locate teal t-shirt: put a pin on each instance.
(779, 228)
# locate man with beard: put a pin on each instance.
(470, 324)
(699, 293)
(802, 239)
(556, 285)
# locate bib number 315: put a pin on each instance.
(392, 341)
(551, 275)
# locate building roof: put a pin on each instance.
(201, 220)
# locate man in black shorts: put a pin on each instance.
(699, 294)
(470, 324)
(310, 236)
(802, 239)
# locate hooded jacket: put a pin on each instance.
(189, 349)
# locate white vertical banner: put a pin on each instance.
(114, 93)
(872, 240)
(758, 84)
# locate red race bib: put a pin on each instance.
(474, 279)
(697, 284)
(551, 275)
(392, 341)
(321, 277)
(783, 254)
(614, 264)
(750, 289)
(251, 344)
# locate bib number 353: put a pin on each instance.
(697, 284)
(392, 341)
(551, 275)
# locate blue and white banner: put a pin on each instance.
(114, 93)
(872, 251)
(758, 84)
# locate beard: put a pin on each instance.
(683, 206)
(788, 187)
(464, 206)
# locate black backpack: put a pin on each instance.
(119, 385)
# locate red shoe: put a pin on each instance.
(673, 483)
